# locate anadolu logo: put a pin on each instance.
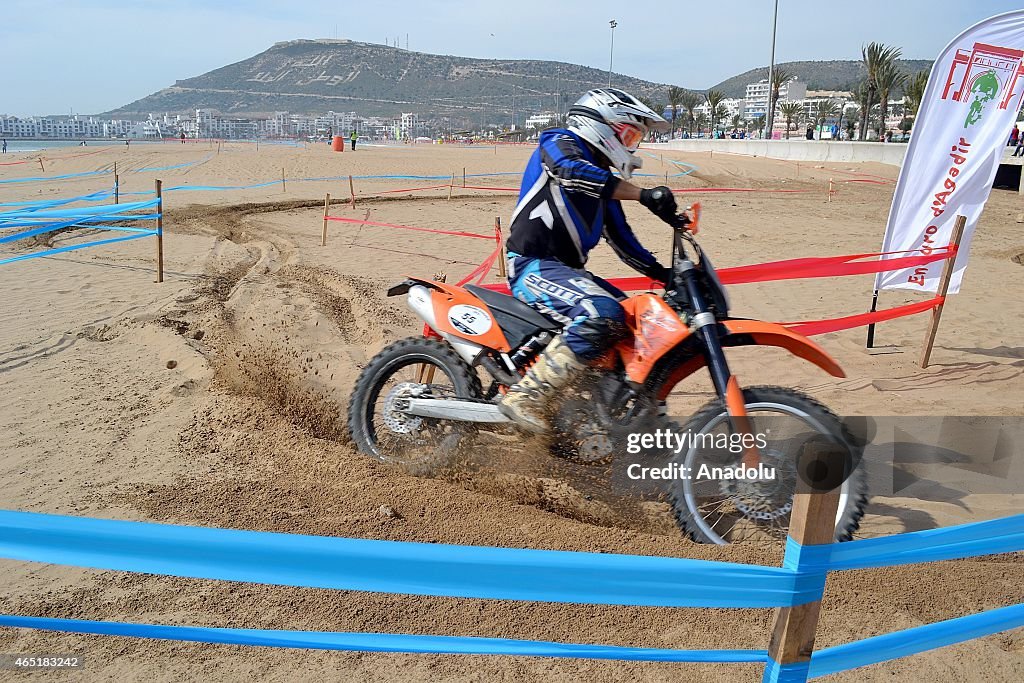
(984, 74)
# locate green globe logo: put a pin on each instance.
(984, 90)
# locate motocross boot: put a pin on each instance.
(527, 401)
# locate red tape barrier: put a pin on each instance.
(812, 327)
(481, 271)
(691, 190)
(35, 161)
(790, 269)
(407, 189)
(794, 269)
(457, 233)
(483, 187)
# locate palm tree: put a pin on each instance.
(851, 122)
(701, 120)
(675, 103)
(735, 122)
(793, 112)
(827, 109)
(877, 57)
(914, 92)
(780, 75)
(714, 99)
(860, 96)
(720, 113)
(889, 78)
(690, 101)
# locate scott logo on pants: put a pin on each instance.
(538, 285)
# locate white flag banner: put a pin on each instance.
(959, 136)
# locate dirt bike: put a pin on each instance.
(417, 397)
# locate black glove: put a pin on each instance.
(663, 275)
(661, 202)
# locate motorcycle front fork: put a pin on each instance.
(725, 383)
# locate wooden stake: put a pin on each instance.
(40, 159)
(327, 209)
(284, 186)
(812, 522)
(502, 272)
(947, 275)
(117, 185)
(451, 185)
(830, 191)
(352, 191)
(463, 176)
(160, 231)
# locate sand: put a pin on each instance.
(216, 399)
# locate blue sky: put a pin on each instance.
(95, 55)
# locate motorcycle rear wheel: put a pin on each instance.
(419, 445)
(720, 511)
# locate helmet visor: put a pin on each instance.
(630, 136)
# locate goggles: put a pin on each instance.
(630, 136)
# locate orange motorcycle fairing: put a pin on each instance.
(459, 313)
(743, 332)
(656, 330)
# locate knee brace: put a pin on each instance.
(594, 336)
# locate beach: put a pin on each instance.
(217, 398)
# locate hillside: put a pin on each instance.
(831, 75)
(316, 76)
(343, 75)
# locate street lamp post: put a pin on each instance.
(769, 122)
(611, 51)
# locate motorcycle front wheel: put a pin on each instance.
(713, 507)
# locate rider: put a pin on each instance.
(568, 200)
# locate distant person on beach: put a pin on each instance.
(549, 243)
(5, 146)
(352, 138)
(1019, 152)
(183, 137)
(128, 144)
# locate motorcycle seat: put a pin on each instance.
(512, 306)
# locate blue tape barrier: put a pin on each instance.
(482, 572)
(39, 221)
(399, 567)
(793, 672)
(383, 642)
(176, 166)
(73, 247)
(914, 640)
(50, 203)
(1004, 535)
(689, 168)
(212, 188)
(76, 212)
(66, 176)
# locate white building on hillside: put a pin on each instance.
(733, 106)
(541, 120)
(757, 95)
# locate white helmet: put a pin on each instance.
(614, 122)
